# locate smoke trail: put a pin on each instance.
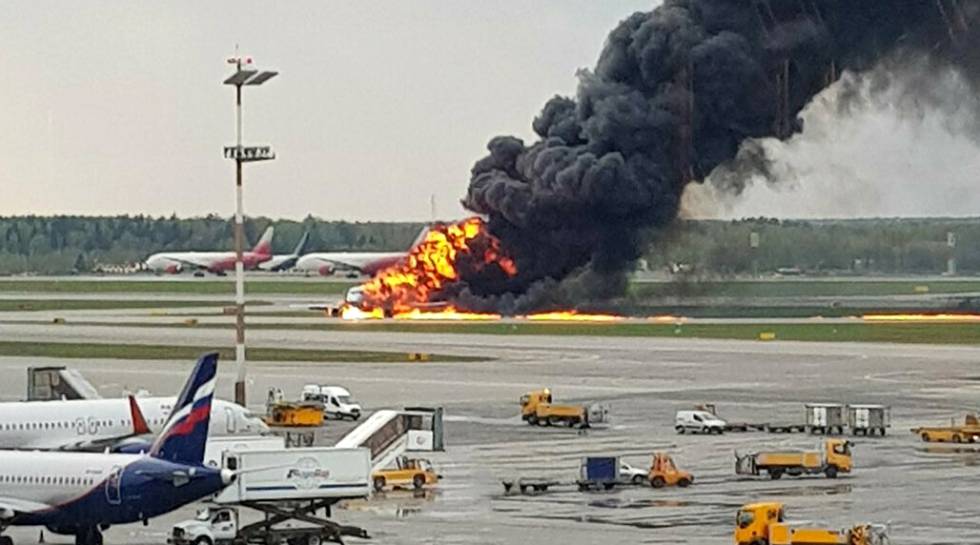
(674, 96)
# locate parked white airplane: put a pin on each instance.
(96, 424)
(215, 262)
(284, 262)
(368, 263)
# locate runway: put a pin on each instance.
(644, 380)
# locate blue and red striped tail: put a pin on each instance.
(183, 438)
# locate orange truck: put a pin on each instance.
(833, 459)
(966, 433)
(764, 524)
(537, 408)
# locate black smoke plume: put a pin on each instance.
(675, 95)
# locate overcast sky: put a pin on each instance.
(118, 107)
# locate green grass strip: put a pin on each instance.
(168, 352)
(188, 286)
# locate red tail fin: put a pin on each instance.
(264, 245)
(139, 422)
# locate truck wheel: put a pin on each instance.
(608, 486)
(775, 474)
(957, 438)
(831, 472)
(680, 429)
(523, 489)
(532, 420)
(203, 540)
(638, 480)
(313, 540)
(657, 482)
(925, 437)
(418, 482)
(684, 482)
(379, 484)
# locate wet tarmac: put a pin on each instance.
(925, 493)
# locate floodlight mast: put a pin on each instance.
(244, 74)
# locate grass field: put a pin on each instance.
(916, 333)
(104, 304)
(168, 352)
(638, 290)
(186, 286)
(920, 333)
(803, 288)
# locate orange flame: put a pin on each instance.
(449, 313)
(921, 317)
(571, 316)
(432, 265)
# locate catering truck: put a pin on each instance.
(289, 487)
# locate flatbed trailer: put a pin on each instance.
(529, 485)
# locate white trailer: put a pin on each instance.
(216, 447)
(289, 487)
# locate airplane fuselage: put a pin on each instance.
(72, 424)
(175, 262)
(58, 490)
(369, 263)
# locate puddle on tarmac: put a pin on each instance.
(396, 503)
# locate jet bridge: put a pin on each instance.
(388, 434)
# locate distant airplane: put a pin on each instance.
(214, 262)
(82, 494)
(116, 424)
(284, 262)
(367, 263)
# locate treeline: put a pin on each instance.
(64, 244)
(861, 246)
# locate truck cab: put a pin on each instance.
(532, 400)
(753, 522)
(837, 453)
(337, 401)
(210, 526)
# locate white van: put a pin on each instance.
(698, 422)
(337, 401)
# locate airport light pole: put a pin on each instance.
(244, 74)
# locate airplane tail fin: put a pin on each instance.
(183, 438)
(421, 236)
(140, 426)
(301, 247)
(264, 245)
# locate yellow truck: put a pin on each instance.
(763, 524)
(537, 409)
(966, 433)
(835, 458)
(292, 414)
(414, 472)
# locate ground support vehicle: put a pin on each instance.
(289, 487)
(290, 414)
(868, 419)
(414, 472)
(337, 401)
(744, 427)
(824, 418)
(537, 408)
(968, 432)
(834, 459)
(764, 524)
(595, 473)
(698, 422)
(784, 428)
(663, 472)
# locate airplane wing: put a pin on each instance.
(11, 507)
(140, 428)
